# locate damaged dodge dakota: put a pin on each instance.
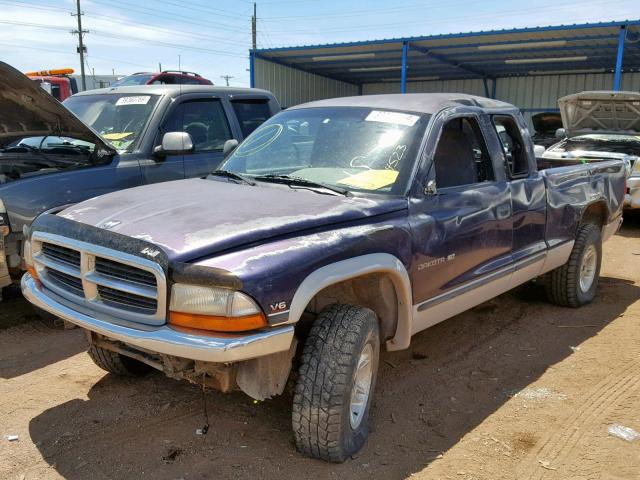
(100, 141)
(337, 228)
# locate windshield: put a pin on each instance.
(358, 149)
(133, 80)
(625, 144)
(119, 118)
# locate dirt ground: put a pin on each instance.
(514, 389)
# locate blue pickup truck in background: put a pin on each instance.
(118, 138)
(336, 228)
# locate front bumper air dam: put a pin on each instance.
(207, 348)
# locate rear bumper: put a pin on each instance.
(165, 340)
(632, 199)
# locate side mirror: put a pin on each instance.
(538, 150)
(229, 147)
(561, 133)
(174, 143)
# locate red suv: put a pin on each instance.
(166, 77)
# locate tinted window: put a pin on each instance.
(133, 80)
(185, 80)
(204, 120)
(461, 156)
(251, 114)
(512, 145)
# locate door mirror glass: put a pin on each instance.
(175, 143)
(229, 147)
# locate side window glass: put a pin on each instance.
(512, 145)
(461, 156)
(204, 120)
(251, 114)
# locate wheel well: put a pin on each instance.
(375, 291)
(595, 213)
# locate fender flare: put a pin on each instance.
(357, 267)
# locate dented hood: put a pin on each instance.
(601, 112)
(28, 111)
(194, 218)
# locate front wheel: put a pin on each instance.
(574, 284)
(335, 387)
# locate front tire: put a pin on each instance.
(574, 284)
(334, 391)
(116, 363)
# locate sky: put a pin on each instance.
(213, 37)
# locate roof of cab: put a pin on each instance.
(176, 90)
(413, 102)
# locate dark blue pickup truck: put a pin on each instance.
(335, 229)
(118, 138)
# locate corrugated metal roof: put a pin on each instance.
(580, 48)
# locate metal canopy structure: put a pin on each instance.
(487, 55)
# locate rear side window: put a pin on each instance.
(512, 146)
(461, 156)
(204, 120)
(251, 113)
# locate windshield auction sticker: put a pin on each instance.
(137, 100)
(392, 117)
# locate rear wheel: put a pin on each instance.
(574, 284)
(335, 387)
(116, 363)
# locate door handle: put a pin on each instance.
(503, 211)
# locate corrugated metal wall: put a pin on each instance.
(291, 86)
(471, 86)
(532, 92)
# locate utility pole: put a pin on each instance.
(81, 48)
(226, 78)
(254, 31)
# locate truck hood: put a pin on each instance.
(194, 218)
(29, 111)
(601, 112)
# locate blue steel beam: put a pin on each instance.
(443, 59)
(617, 78)
(403, 72)
(252, 78)
(447, 36)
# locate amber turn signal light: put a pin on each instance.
(217, 323)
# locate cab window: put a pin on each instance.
(515, 154)
(461, 156)
(204, 120)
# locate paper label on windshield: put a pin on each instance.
(117, 136)
(137, 100)
(392, 117)
(371, 179)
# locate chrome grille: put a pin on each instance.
(107, 281)
(125, 272)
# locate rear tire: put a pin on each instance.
(337, 377)
(116, 363)
(574, 284)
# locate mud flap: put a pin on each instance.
(265, 377)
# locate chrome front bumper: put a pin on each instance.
(632, 199)
(166, 340)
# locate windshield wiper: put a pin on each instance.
(232, 176)
(302, 182)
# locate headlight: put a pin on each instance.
(217, 309)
